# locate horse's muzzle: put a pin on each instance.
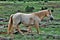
(51, 18)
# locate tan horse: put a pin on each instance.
(27, 20)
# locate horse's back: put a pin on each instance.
(21, 17)
(27, 17)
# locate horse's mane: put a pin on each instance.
(43, 11)
(40, 14)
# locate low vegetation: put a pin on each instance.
(9, 7)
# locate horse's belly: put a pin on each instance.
(27, 20)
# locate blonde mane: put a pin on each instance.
(41, 14)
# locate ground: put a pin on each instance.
(8, 8)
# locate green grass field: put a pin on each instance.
(8, 8)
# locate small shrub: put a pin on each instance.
(44, 8)
(24, 1)
(29, 9)
(45, 1)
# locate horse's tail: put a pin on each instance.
(10, 24)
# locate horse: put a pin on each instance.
(27, 20)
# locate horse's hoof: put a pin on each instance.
(22, 34)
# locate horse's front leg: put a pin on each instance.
(37, 27)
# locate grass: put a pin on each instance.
(8, 8)
(44, 30)
(49, 30)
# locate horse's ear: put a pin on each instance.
(51, 10)
(48, 10)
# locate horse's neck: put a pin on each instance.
(40, 15)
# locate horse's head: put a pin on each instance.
(44, 13)
(49, 15)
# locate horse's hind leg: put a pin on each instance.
(19, 30)
(29, 27)
(29, 30)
